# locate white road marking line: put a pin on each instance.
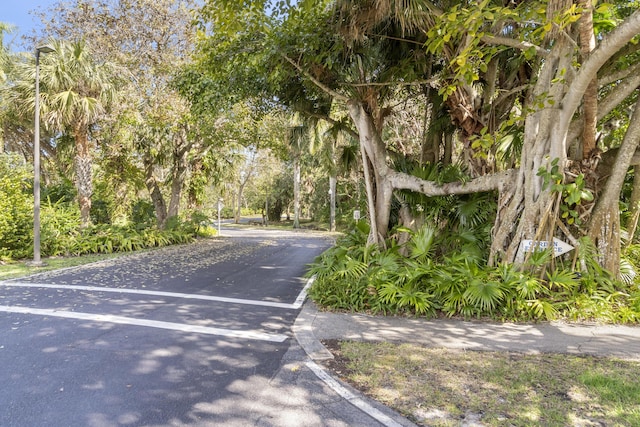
(296, 305)
(108, 318)
(351, 397)
(303, 293)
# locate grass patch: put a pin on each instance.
(438, 387)
(17, 269)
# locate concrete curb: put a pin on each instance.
(303, 333)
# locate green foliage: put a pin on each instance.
(61, 234)
(143, 213)
(16, 208)
(355, 277)
(572, 193)
(198, 224)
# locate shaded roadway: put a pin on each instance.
(155, 339)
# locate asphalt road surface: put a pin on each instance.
(196, 335)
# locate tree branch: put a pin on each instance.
(315, 81)
(619, 75)
(429, 82)
(517, 44)
(607, 104)
(496, 181)
(612, 43)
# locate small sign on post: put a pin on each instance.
(559, 247)
(356, 215)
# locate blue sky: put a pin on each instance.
(16, 12)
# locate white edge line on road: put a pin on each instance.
(303, 293)
(107, 318)
(293, 306)
(351, 397)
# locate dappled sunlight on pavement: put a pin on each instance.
(554, 337)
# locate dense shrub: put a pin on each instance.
(16, 208)
(143, 213)
(421, 279)
(61, 234)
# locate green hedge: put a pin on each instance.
(16, 208)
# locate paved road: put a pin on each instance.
(196, 335)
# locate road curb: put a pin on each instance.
(303, 333)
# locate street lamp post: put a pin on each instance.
(36, 161)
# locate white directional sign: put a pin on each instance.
(559, 247)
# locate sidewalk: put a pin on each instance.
(312, 326)
(555, 337)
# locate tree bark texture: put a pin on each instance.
(527, 210)
(296, 191)
(634, 206)
(604, 227)
(83, 169)
(159, 205)
(179, 171)
(590, 103)
(333, 180)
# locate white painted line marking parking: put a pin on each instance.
(108, 318)
(296, 305)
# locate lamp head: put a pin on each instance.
(45, 49)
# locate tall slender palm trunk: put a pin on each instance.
(83, 168)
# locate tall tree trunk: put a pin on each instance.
(634, 206)
(526, 207)
(238, 207)
(179, 171)
(590, 109)
(333, 180)
(604, 227)
(296, 191)
(448, 149)
(373, 150)
(371, 203)
(195, 193)
(265, 217)
(155, 193)
(83, 165)
(234, 200)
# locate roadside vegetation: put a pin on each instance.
(440, 274)
(61, 232)
(442, 136)
(449, 135)
(438, 387)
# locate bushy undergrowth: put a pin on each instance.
(61, 234)
(16, 205)
(418, 279)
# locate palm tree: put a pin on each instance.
(4, 60)
(76, 91)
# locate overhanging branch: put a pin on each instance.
(517, 44)
(493, 182)
(315, 81)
